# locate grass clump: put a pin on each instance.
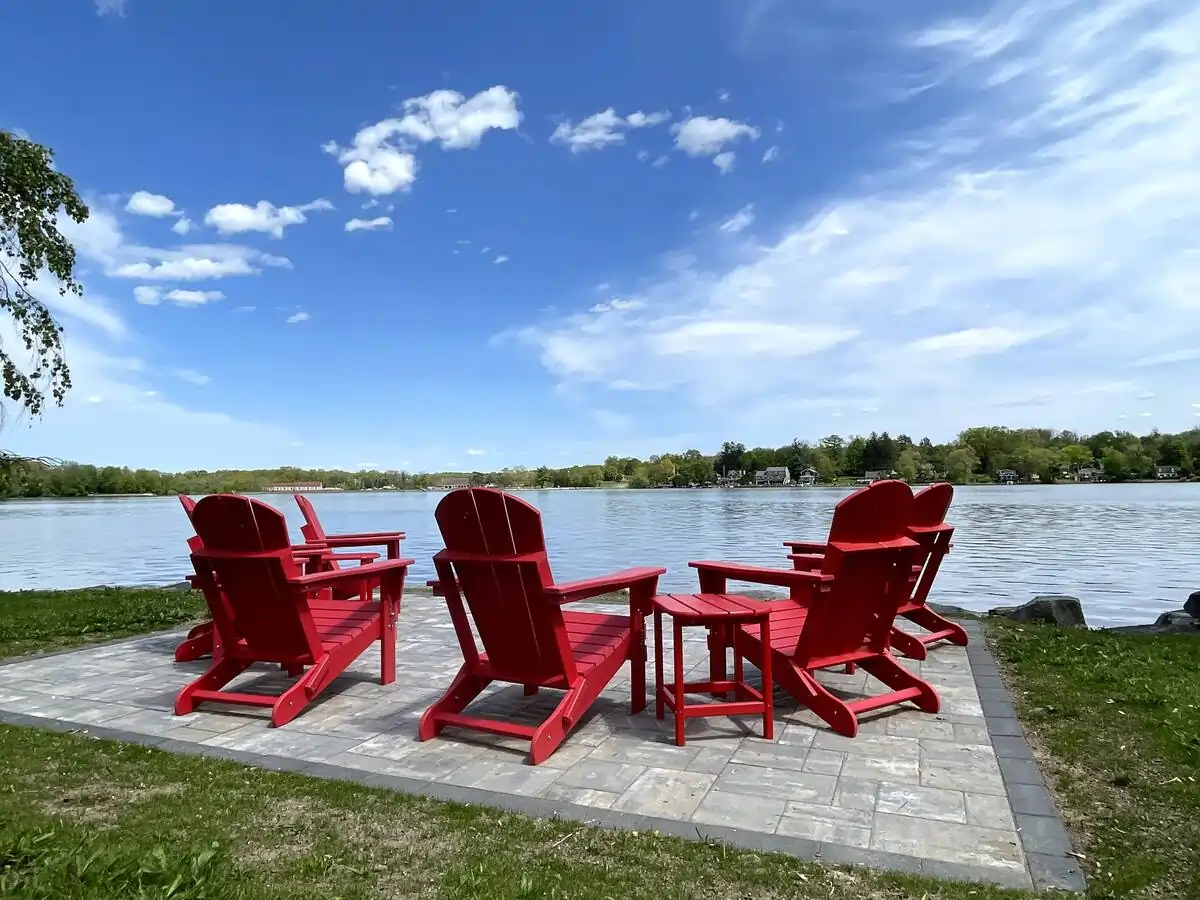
(32, 621)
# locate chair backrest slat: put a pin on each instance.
(521, 628)
(930, 530)
(311, 529)
(268, 618)
(871, 567)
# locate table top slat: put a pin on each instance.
(710, 607)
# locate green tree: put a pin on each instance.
(1115, 464)
(32, 195)
(1076, 456)
(827, 469)
(961, 464)
(909, 463)
(730, 458)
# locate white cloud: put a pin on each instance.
(382, 161)
(617, 304)
(100, 240)
(641, 119)
(110, 7)
(298, 317)
(602, 129)
(704, 136)
(724, 96)
(771, 154)
(191, 376)
(661, 160)
(501, 259)
(193, 298)
(182, 225)
(724, 161)
(369, 224)
(143, 203)
(264, 217)
(475, 452)
(451, 210)
(739, 221)
(151, 295)
(244, 309)
(1010, 257)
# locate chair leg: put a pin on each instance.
(219, 674)
(387, 649)
(910, 645)
(890, 672)
(197, 644)
(832, 709)
(637, 663)
(942, 627)
(465, 687)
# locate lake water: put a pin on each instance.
(1128, 552)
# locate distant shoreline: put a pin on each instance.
(788, 487)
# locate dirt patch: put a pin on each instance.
(98, 803)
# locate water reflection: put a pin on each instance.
(1128, 551)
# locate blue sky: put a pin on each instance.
(467, 236)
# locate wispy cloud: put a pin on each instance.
(1037, 236)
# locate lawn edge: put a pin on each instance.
(1049, 856)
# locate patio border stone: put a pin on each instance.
(1043, 836)
(1047, 845)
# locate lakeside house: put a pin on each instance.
(807, 477)
(732, 477)
(1163, 472)
(1090, 473)
(773, 475)
(296, 487)
(450, 482)
(1007, 476)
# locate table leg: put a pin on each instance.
(764, 637)
(739, 675)
(680, 717)
(658, 665)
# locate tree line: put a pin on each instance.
(977, 454)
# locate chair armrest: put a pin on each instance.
(806, 546)
(364, 539)
(714, 575)
(356, 574)
(570, 591)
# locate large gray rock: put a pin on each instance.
(1177, 622)
(1052, 610)
(1191, 606)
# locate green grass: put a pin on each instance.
(97, 819)
(47, 620)
(1115, 720)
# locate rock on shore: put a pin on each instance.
(1067, 611)
(1052, 610)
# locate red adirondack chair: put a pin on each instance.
(845, 613)
(203, 639)
(266, 610)
(314, 533)
(495, 560)
(929, 529)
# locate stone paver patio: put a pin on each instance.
(955, 795)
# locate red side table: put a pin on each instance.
(708, 610)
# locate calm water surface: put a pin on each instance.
(1127, 551)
